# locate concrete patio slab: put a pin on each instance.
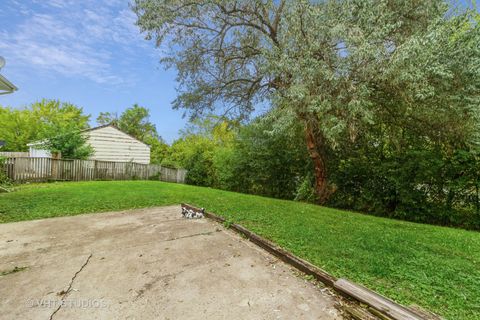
(146, 264)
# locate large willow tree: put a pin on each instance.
(331, 65)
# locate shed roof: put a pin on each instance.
(40, 142)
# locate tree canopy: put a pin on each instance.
(335, 67)
(134, 121)
(38, 121)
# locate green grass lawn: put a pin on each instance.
(435, 267)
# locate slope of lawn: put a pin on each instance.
(435, 267)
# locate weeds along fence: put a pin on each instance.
(28, 169)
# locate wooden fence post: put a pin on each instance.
(95, 171)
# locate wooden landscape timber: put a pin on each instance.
(380, 303)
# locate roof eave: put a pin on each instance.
(10, 86)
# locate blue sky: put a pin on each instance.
(86, 52)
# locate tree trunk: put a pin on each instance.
(316, 152)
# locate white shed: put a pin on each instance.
(109, 144)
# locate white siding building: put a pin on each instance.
(109, 144)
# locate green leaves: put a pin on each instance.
(70, 143)
(135, 121)
(390, 87)
(38, 121)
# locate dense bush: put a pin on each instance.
(422, 186)
(250, 159)
(267, 162)
(409, 178)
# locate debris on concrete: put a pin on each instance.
(189, 213)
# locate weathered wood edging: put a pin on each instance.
(382, 306)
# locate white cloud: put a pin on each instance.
(58, 3)
(76, 39)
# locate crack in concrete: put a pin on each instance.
(191, 236)
(123, 247)
(69, 288)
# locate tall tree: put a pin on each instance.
(134, 121)
(19, 127)
(105, 118)
(332, 65)
(40, 120)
